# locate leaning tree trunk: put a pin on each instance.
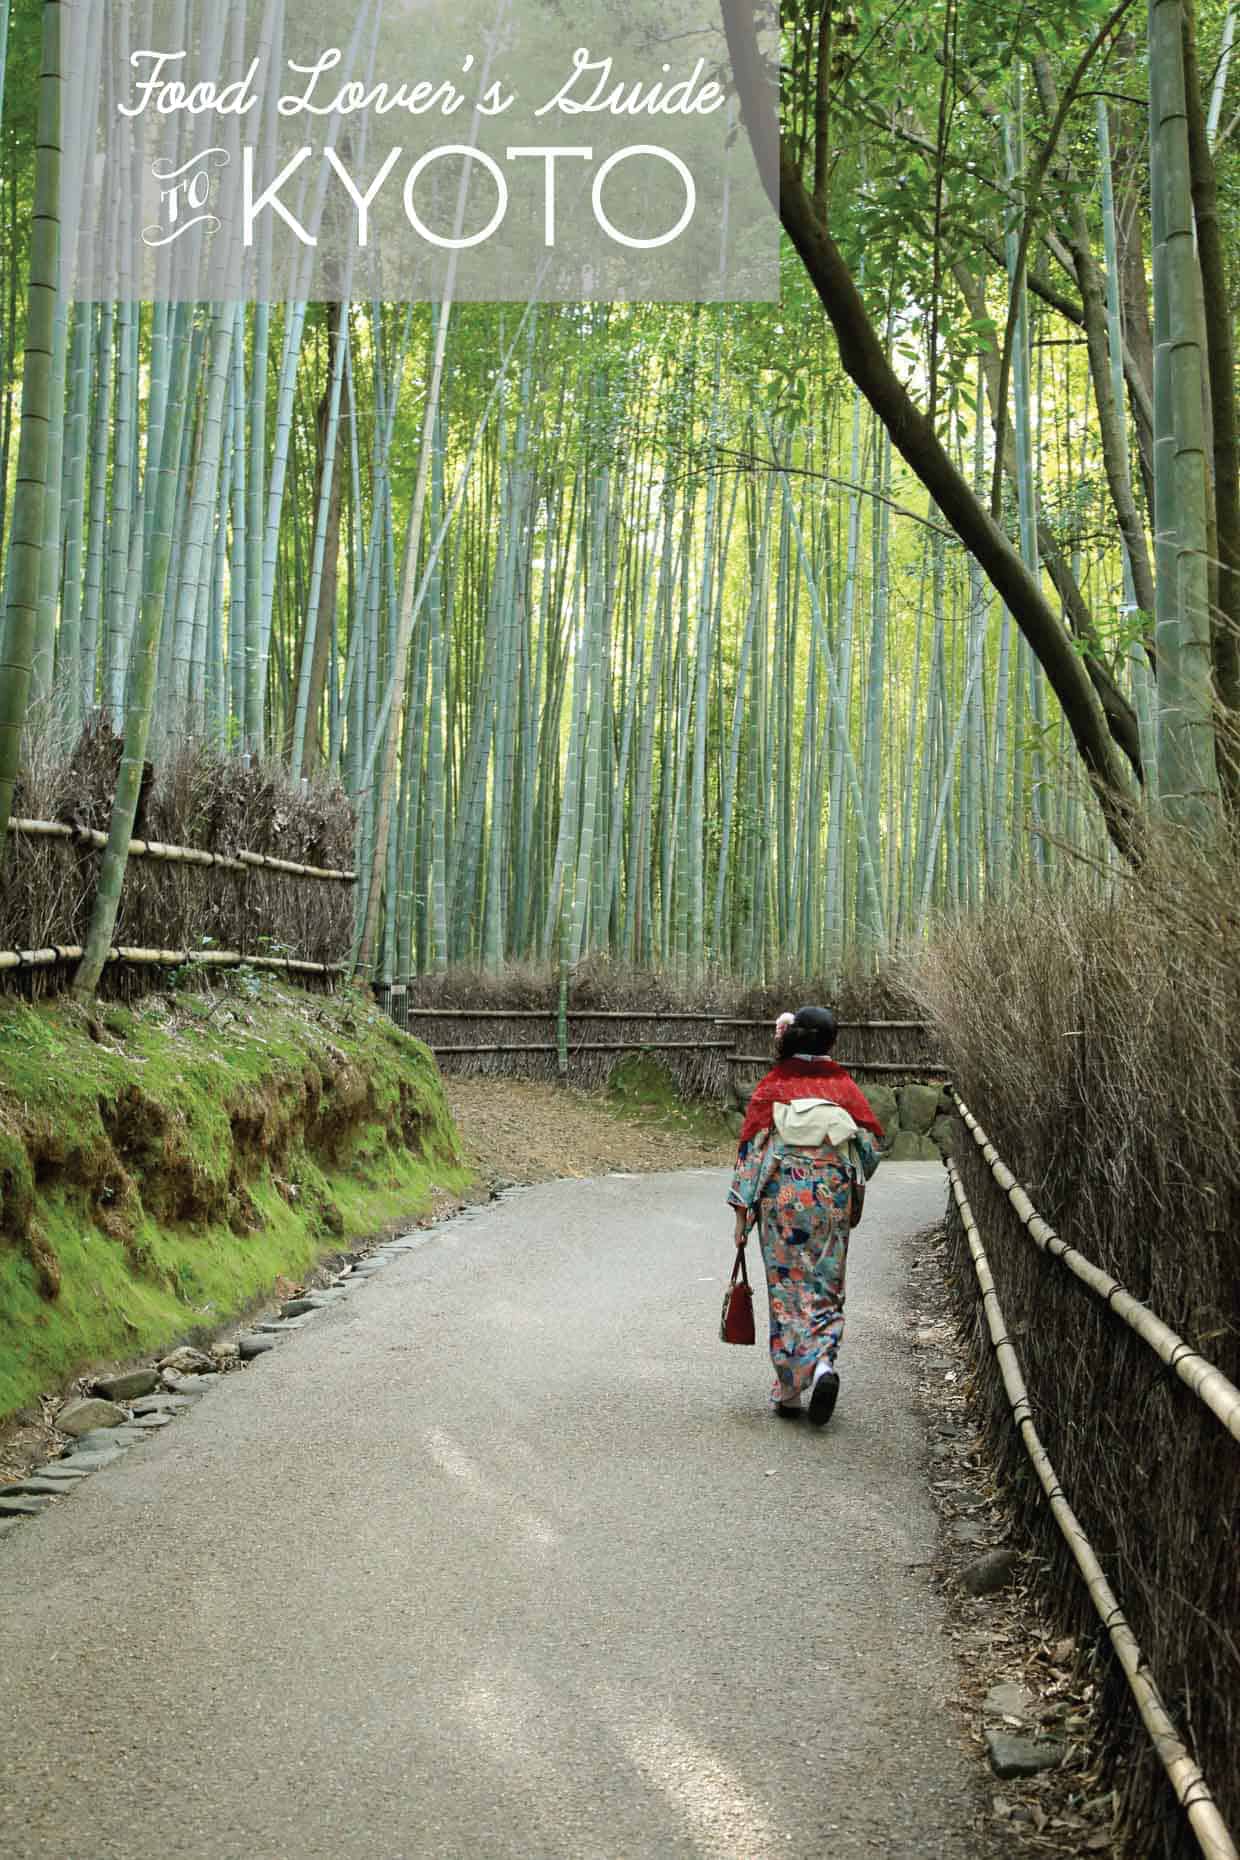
(863, 358)
(26, 539)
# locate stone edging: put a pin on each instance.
(130, 1407)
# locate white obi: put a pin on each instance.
(809, 1123)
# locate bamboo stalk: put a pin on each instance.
(48, 829)
(1187, 771)
(164, 476)
(39, 415)
(1191, 1789)
(1209, 1384)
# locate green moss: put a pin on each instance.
(642, 1079)
(156, 1181)
(641, 1087)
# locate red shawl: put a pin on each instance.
(788, 1080)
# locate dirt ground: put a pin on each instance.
(1008, 1639)
(520, 1130)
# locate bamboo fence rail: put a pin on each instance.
(1191, 1789)
(47, 958)
(1209, 1384)
(418, 1013)
(700, 1018)
(393, 999)
(929, 1069)
(93, 839)
(290, 867)
(592, 1046)
(886, 1026)
(223, 959)
(40, 958)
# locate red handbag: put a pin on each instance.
(736, 1323)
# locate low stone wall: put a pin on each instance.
(916, 1117)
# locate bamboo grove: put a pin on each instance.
(628, 628)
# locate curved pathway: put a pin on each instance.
(502, 1558)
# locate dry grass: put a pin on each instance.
(194, 799)
(1096, 1038)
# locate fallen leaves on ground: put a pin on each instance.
(1004, 1637)
(521, 1130)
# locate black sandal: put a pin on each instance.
(823, 1397)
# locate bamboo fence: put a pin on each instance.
(261, 876)
(1191, 1789)
(1209, 1384)
(720, 1034)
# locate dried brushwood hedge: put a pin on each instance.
(1096, 1040)
(858, 995)
(640, 1007)
(197, 799)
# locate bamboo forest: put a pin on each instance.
(552, 566)
(704, 635)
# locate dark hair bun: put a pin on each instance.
(813, 1031)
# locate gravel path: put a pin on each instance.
(502, 1557)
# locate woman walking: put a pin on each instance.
(808, 1138)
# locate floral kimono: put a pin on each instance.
(799, 1200)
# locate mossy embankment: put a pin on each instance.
(642, 1087)
(161, 1167)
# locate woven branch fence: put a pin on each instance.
(1209, 1384)
(1192, 1791)
(285, 916)
(706, 1053)
(227, 860)
(1158, 1508)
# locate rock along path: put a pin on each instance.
(502, 1558)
